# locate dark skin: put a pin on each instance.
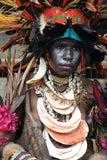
(65, 56)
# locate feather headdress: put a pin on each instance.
(50, 18)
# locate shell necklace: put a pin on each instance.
(61, 104)
(73, 90)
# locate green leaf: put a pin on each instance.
(16, 103)
(1, 101)
(9, 58)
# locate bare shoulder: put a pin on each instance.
(89, 86)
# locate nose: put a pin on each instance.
(68, 53)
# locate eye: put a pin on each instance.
(76, 49)
(60, 46)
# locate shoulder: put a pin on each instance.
(89, 86)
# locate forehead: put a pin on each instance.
(65, 41)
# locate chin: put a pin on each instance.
(64, 75)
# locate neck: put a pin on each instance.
(57, 79)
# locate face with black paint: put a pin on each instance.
(65, 56)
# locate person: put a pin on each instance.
(54, 118)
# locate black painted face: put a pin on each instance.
(65, 56)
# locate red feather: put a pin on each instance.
(64, 2)
(98, 3)
(28, 15)
(95, 20)
(26, 4)
(7, 45)
(102, 39)
(18, 3)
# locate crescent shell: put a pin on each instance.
(60, 152)
(52, 123)
(81, 152)
(64, 111)
(40, 73)
(56, 101)
(72, 137)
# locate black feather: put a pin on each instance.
(85, 33)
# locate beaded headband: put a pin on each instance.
(58, 15)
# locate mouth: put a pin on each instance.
(66, 67)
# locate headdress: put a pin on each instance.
(37, 22)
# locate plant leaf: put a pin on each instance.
(3, 69)
(98, 94)
(16, 103)
(31, 63)
(9, 58)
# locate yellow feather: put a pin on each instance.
(47, 3)
(103, 9)
(91, 1)
(10, 3)
(71, 4)
(10, 22)
(6, 20)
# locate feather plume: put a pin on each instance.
(64, 2)
(47, 3)
(103, 9)
(9, 21)
(72, 4)
(91, 1)
(91, 7)
(9, 3)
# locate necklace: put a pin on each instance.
(60, 81)
(61, 104)
(73, 89)
(59, 109)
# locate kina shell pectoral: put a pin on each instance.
(52, 123)
(56, 101)
(73, 137)
(65, 111)
(61, 153)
